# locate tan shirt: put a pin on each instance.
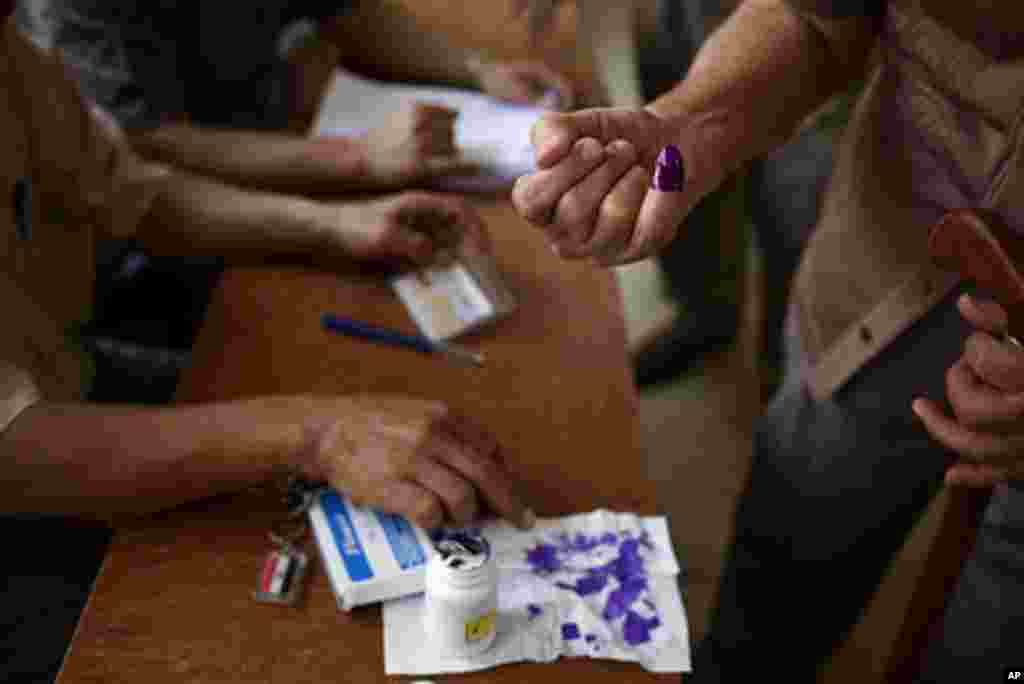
(939, 127)
(77, 180)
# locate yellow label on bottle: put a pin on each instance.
(480, 628)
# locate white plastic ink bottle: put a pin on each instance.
(461, 600)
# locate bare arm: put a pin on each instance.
(194, 215)
(260, 159)
(424, 56)
(757, 78)
(99, 461)
(403, 455)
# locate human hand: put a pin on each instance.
(985, 388)
(412, 144)
(409, 456)
(409, 225)
(524, 82)
(592, 194)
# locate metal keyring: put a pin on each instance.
(288, 534)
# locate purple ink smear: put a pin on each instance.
(590, 638)
(591, 584)
(669, 170)
(620, 600)
(637, 630)
(628, 568)
(534, 610)
(629, 563)
(544, 559)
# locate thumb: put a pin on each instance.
(668, 201)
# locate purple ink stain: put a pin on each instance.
(637, 630)
(544, 559)
(669, 170)
(534, 610)
(590, 638)
(629, 563)
(583, 543)
(620, 600)
(591, 584)
(628, 568)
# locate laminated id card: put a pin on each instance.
(369, 556)
(456, 295)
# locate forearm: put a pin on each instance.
(760, 75)
(264, 160)
(98, 461)
(424, 56)
(193, 215)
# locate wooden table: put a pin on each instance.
(172, 602)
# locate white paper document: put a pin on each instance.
(492, 134)
(597, 585)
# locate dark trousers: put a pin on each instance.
(834, 489)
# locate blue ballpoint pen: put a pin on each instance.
(353, 328)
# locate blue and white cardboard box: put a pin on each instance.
(369, 556)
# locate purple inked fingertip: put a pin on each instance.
(669, 174)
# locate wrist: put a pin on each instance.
(317, 431)
(345, 159)
(284, 428)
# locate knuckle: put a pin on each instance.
(617, 213)
(573, 211)
(588, 149)
(528, 200)
(426, 510)
(436, 411)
